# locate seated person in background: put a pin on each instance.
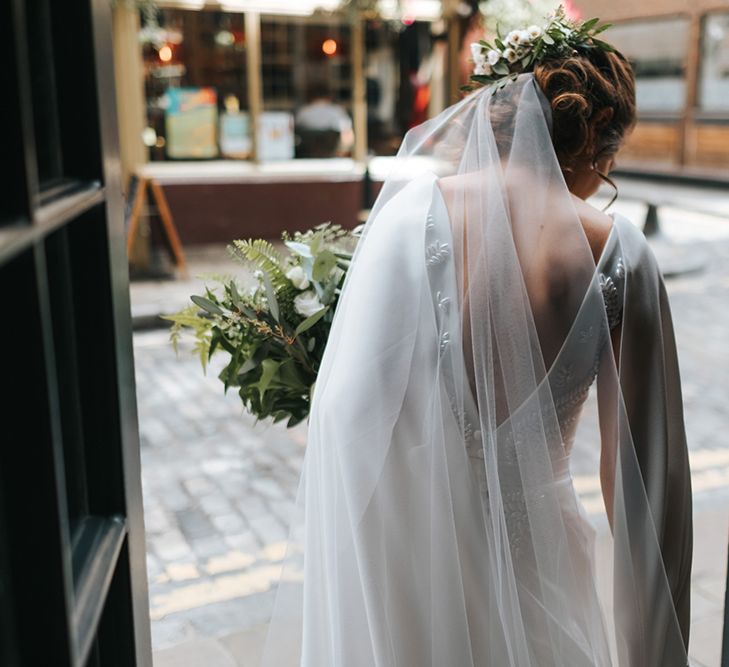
(323, 128)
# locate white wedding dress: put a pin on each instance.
(436, 521)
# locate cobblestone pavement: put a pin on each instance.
(218, 489)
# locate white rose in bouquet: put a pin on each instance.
(480, 62)
(297, 276)
(307, 303)
(510, 55)
(517, 38)
(483, 69)
(493, 56)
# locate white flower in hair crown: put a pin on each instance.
(520, 49)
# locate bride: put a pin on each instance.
(436, 522)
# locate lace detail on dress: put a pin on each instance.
(611, 286)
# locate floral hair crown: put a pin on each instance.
(518, 52)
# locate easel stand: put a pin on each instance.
(168, 225)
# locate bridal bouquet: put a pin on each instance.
(274, 333)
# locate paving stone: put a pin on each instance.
(247, 646)
(174, 498)
(282, 510)
(252, 507)
(230, 616)
(215, 503)
(182, 571)
(197, 486)
(156, 519)
(197, 652)
(167, 632)
(247, 541)
(154, 565)
(195, 524)
(228, 523)
(268, 487)
(268, 529)
(206, 548)
(170, 546)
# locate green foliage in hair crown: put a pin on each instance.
(517, 52)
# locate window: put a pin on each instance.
(657, 50)
(195, 79)
(196, 82)
(713, 93)
(297, 54)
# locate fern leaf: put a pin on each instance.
(261, 253)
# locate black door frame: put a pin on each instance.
(73, 588)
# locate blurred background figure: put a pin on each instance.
(323, 128)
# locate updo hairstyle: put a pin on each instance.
(592, 99)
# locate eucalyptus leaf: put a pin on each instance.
(310, 321)
(234, 295)
(247, 366)
(588, 24)
(248, 312)
(603, 45)
(547, 39)
(501, 68)
(206, 304)
(271, 296)
(270, 369)
(226, 345)
(215, 339)
(289, 376)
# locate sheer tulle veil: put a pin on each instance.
(436, 523)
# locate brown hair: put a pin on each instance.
(592, 99)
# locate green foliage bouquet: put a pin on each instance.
(275, 332)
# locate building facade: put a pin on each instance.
(680, 52)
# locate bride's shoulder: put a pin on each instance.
(597, 225)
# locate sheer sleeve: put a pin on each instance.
(652, 499)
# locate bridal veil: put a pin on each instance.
(436, 521)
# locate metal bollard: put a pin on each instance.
(652, 226)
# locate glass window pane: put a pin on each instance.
(657, 49)
(43, 91)
(195, 84)
(714, 80)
